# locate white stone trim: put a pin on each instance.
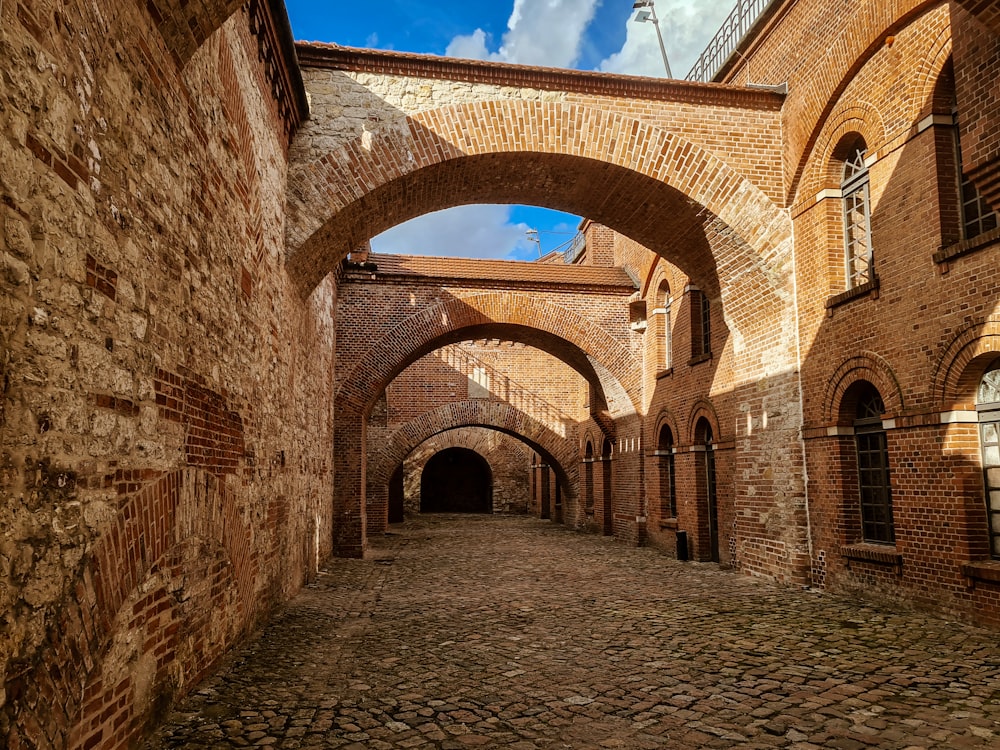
(959, 417)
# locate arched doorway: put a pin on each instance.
(456, 480)
(706, 441)
(606, 493)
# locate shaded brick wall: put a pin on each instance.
(925, 333)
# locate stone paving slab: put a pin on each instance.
(474, 632)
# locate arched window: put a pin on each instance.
(873, 467)
(988, 406)
(668, 481)
(857, 215)
(977, 215)
(588, 479)
(663, 310)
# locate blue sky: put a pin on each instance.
(580, 34)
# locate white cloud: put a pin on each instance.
(539, 32)
(478, 231)
(470, 47)
(687, 27)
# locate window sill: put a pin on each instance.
(668, 523)
(958, 249)
(982, 570)
(665, 373)
(880, 554)
(862, 290)
(697, 360)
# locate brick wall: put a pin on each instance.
(929, 320)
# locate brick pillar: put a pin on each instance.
(377, 506)
(349, 520)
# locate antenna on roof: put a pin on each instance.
(648, 13)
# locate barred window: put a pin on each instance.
(977, 215)
(701, 324)
(668, 482)
(873, 469)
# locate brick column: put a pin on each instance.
(377, 508)
(349, 522)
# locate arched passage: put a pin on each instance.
(546, 153)
(536, 320)
(544, 324)
(456, 480)
(554, 449)
(658, 188)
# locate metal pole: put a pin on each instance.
(659, 38)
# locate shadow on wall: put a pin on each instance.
(903, 311)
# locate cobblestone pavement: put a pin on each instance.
(512, 632)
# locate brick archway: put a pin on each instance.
(581, 343)
(502, 417)
(708, 216)
(496, 415)
(576, 340)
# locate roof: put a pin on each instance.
(503, 271)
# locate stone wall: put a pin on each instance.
(165, 471)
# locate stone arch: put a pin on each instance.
(456, 480)
(478, 152)
(963, 362)
(867, 366)
(555, 449)
(581, 343)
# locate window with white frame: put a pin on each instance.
(857, 216)
(988, 406)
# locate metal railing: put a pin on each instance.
(577, 246)
(727, 39)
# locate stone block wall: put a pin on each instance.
(165, 474)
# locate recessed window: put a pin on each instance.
(666, 342)
(857, 216)
(668, 482)
(701, 324)
(977, 215)
(988, 406)
(873, 469)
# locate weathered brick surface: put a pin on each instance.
(162, 463)
(192, 410)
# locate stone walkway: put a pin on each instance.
(512, 632)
